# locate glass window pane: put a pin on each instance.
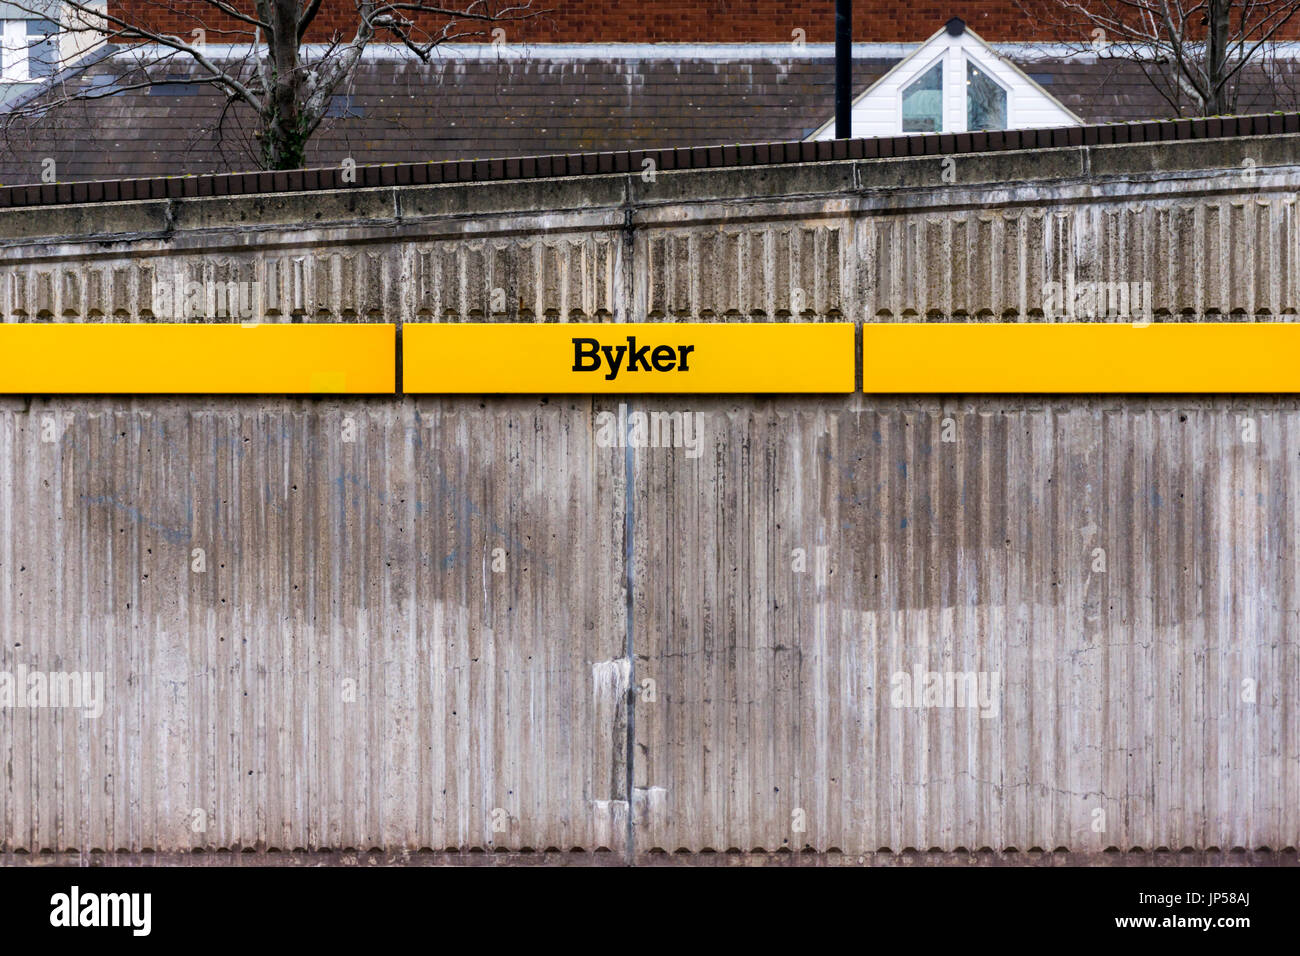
(986, 102)
(42, 47)
(923, 102)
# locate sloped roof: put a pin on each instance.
(397, 110)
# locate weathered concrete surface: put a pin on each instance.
(1122, 690)
(1148, 692)
(327, 561)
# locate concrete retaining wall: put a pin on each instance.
(456, 624)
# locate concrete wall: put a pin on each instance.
(418, 619)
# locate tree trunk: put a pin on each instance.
(1217, 33)
(284, 134)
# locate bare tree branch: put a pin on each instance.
(1198, 49)
(265, 67)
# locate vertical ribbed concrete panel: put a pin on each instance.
(320, 625)
(1213, 259)
(1122, 572)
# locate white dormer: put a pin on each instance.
(953, 83)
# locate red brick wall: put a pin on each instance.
(655, 21)
(770, 21)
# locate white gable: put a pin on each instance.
(879, 110)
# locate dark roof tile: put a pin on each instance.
(476, 110)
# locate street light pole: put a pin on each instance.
(843, 69)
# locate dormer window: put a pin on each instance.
(953, 83)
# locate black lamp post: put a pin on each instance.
(843, 69)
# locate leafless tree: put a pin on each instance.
(1195, 52)
(254, 52)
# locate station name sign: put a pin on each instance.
(628, 357)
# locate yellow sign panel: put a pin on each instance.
(627, 357)
(192, 358)
(1174, 357)
(656, 357)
